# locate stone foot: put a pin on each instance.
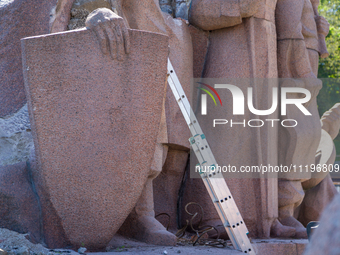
(151, 231)
(301, 232)
(279, 230)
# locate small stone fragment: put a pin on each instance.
(82, 250)
(23, 251)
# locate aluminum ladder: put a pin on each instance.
(214, 180)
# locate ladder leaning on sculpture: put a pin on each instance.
(214, 182)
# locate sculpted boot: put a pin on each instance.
(290, 197)
(141, 223)
(279, 230)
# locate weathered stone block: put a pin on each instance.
(18, 19)
(95, 124)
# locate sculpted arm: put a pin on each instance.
(294, 20)
(217, 14)
(288, 16)
(62, 17)
(109, 28)
(292, 51)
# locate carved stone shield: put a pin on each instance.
(95, 122)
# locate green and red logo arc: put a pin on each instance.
(209, 93)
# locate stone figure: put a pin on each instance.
(300, 34)
(319, 190)
(173, 135)
(19, 210)
(325, 238)
(13, 14)
(330, 121)
(242, 45)
(244, 42)
(88, 113)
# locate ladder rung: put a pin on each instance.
(214, 182)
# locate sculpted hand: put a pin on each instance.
(322, 25)
(111, 32)
(330, 121)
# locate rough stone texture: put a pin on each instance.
(181, 55)
(200, 44)
(174, 133)
(182, 8)
(176, 8)
(18, 19)
(320, 189)
(289, 28)
(246, 50)
(15, 138)
(262, 247)
(167, 185)
(330, 121)
(53, 232)
(316, 200)
(87, 113)
(298, 59)
(13, 243)
(181, 58)
(61, 16)
(81, 9)
(325, 239)
(19, 209)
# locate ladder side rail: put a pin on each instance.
(217, 187)
(222, 196)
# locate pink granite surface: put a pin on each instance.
(18, 19)
(95, 124)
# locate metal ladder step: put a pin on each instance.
(214, 182)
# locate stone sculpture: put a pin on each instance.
(243, 42)
(18, 19)
(13, 14)
(325, 238)
(320, 190)
(242, 45)
(299, 32)
(88, 113)
(172, 138)
(330, 121)
(175, 136)
(239, 49)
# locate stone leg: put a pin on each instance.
(279, 230)
(141, 223)
(316, 199)
(167, 185)
(290, 197)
